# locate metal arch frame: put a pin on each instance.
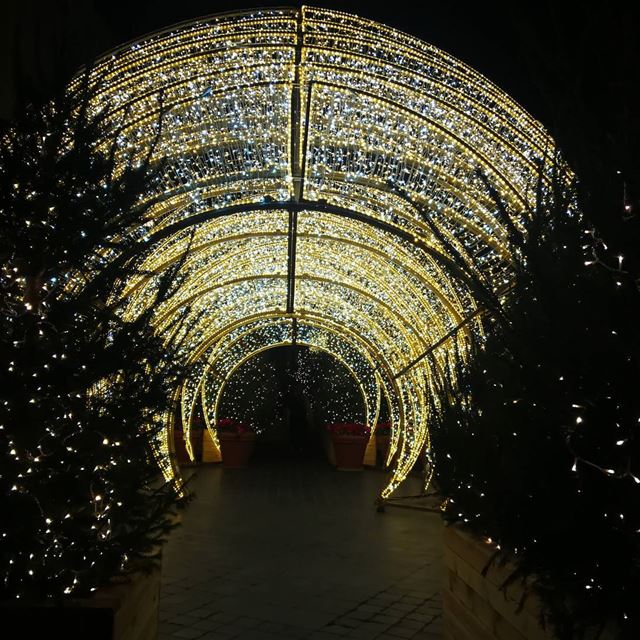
(367, 351)
(168, 231)
(375, 357)
(482, 160)
(296, 113)
(299, 142)
(438, 56)
(167, 314)
(437, 292)
(362, 246)
(299, 175)
(353, 43)
(345, 213)
(438, 257)
(357, 290)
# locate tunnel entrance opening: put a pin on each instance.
(288, 395)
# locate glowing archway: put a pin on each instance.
(329, 175)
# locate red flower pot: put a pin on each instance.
(349, 451)
(236, 448)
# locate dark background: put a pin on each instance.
(576, 67)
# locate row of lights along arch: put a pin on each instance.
(310, 155)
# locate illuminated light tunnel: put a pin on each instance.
(327, 175)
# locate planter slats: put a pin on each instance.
(137, 618)
(478, 601)
(490, 613)
(459, 622)
(126, 611)
(489, 587)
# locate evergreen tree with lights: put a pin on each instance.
(84, 392)
(537, 436)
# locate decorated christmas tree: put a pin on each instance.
(537, 436)
(84, 391)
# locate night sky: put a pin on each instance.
(575, 66)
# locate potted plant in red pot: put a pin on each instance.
(349, 441)
(237, 441)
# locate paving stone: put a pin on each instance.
(421, 594)
(368, 630)
(207, 624)
(411, 624)
(349, 621)
(188, 633)
(385, 618)
(293, 632)
(308, 619)
(230, 628)
(436, 623)
(401, 632)
(337, 629)
(254, 634)
(402, 609)
(224, 617)
(216, 635)
(362, 614)
(369, 608)
(420, 617)
(185, 620)
(180, 597)
(271, 627)
(246, 622)
(168, 627)
(336, 607)
(384, 599)
(202, 612)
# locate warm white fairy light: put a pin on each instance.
(384, 146)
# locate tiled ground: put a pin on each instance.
(297, 550)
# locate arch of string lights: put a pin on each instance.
(327, 175)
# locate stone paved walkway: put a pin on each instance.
(298, 551)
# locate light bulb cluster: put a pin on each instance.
(381, 147)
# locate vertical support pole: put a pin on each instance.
(296, 117)
(291, 264)
(297, 163)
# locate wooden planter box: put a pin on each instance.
(474, 606)
(126, 611)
